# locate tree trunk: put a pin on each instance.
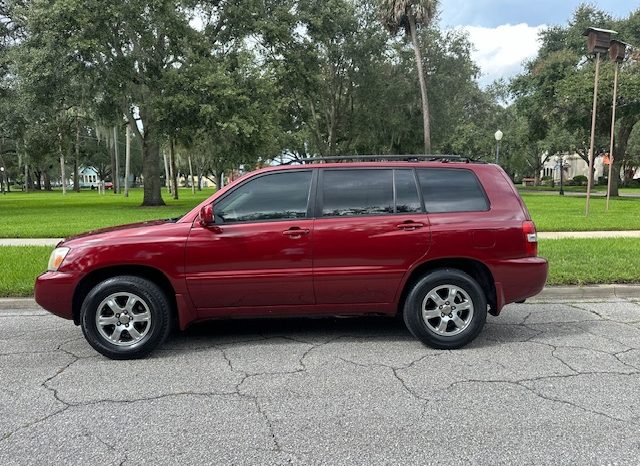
(47, 181)
(112, 156)
(423, 85)
(151, 166)
(193, 186)
(127, 161)
(199, 180)
(63, 175)
(76, 160)
(219, 179)
(622, 140)
(172, 169)
(167, 179)
(38, 181)
(116, 166)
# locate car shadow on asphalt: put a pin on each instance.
(313, 330)
(302, 329)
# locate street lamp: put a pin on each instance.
(498, 137)
(560, 163)
(2, 179)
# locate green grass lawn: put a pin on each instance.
(592, 261)
(572, 262)
(19, 267)
(566, 213)
(52, 215)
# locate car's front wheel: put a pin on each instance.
(446, 309)
(125, 317)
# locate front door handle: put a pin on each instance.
(296, 232)
(409, 226)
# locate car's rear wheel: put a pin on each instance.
(446, 309)
(125, 317)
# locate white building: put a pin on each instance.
(88, 177)
(574, 165)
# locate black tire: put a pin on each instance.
(433, 331)
(151, 302)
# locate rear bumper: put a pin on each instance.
(54, 292)
(519, 279)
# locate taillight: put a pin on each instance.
(530, 238)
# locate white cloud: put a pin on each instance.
(501, 51)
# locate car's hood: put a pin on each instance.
(116, 231)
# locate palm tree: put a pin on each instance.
(405, 16)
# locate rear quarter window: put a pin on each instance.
(451, 190)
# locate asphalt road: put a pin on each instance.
(555, 383)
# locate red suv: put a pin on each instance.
(439, 242)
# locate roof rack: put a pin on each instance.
(385, 158)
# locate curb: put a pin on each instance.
(549, 293)
(12, 304)
(588, 292)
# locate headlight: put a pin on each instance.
(57, 256)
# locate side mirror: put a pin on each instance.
(206, 215)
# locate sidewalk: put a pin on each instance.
(588, 234)
(29, 241)
(574, 194)
(541, 235)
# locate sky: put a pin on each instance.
(505, 32)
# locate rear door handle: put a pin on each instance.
(296, 232)
(409, 226)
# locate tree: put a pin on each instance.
(406, 16)
(555, 93)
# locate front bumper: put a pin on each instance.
(54, 292)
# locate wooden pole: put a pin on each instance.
(127, 160)
(613, 130)
(593, 132)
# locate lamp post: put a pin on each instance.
(598, 42)
(2, 180)
(617, 52)
(498, 137)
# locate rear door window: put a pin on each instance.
(451, 190)
(407, 200)
(357, 192)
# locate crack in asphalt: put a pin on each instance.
(394, 371)
(65, 406)
(603, 317)
(522, 383)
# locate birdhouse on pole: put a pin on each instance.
(598, 40)
(617, 51)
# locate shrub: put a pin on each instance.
(580, 180)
